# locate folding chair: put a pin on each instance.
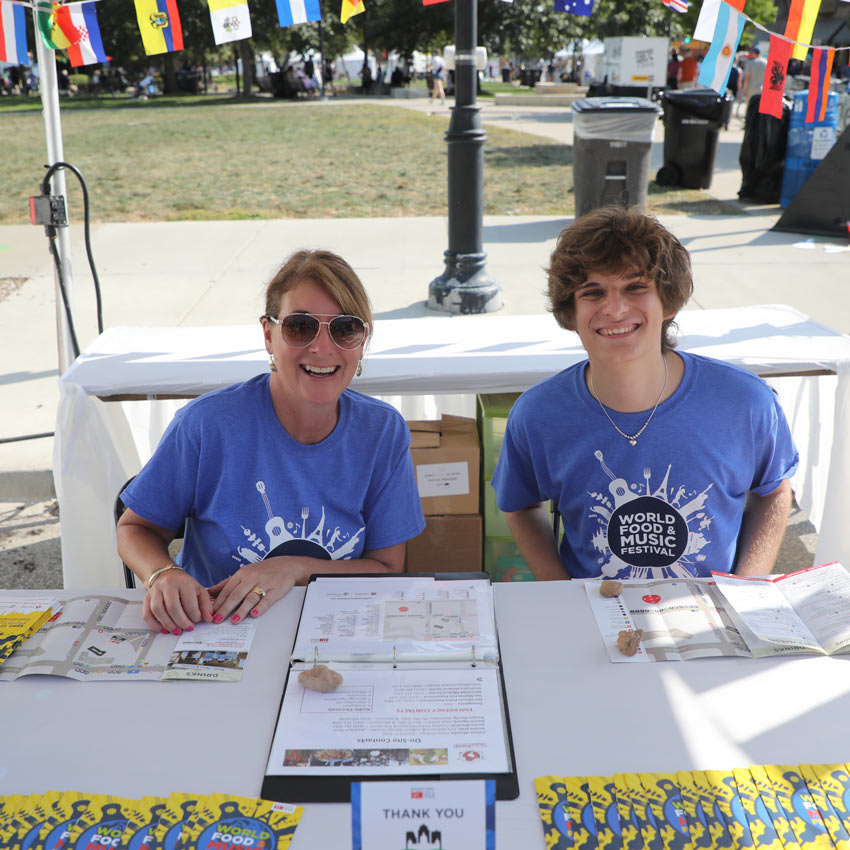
(120, 507)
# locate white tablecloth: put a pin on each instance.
(100, 444)
(573, 713)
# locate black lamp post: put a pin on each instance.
(465, 286)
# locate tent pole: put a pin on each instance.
(49, 91)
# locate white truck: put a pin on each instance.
(637, 61)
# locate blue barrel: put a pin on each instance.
(799, 164)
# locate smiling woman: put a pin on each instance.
(288, 474)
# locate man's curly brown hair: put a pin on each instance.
(619, 241)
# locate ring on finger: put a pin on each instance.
(259, 591)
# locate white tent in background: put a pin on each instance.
(591, 53)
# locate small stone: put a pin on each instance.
(320, 678)
(610, 588)
(629, 641)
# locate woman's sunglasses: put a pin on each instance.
(300, 329)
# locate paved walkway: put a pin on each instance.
(197, 273)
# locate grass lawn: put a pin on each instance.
(219, 158)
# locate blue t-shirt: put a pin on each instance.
(247, 490)
(672, 504)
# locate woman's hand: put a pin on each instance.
(238, 596)
(176, 602)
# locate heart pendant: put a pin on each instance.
(632, 441)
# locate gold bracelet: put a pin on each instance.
(157, 573)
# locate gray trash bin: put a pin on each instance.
(611, 151)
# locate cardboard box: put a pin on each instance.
(447, 459)
(449, 544)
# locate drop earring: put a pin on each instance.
(272, 364)
(359, 371)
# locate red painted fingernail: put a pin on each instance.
(166, 632)
(217, 618)
(255, 613)
(177, 632)
(190, 629)
(236, 619)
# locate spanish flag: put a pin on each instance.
(350, 8)
(159, 24)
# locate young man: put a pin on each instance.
(661, 463)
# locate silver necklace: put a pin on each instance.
(632, 438)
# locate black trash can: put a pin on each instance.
(506, 75)
(612, 142)
(692, 122)
(762, 157)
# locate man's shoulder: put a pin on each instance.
(557, 389)
(718, 375)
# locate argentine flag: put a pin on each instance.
(717, 63)
(291, 12)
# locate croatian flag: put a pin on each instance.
(291, 12)
(13, 34)
(717, 64)
(78, 24)
(575, 7)
(676, 5)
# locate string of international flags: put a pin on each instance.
(74, 27)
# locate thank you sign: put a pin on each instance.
(456, 815)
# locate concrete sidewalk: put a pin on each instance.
(200, 273)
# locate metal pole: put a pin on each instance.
(322, 51)
(49, 91)
(465, 286)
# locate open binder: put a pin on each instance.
(422, 697)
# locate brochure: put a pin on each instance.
(20, 618)
(104, 638)
(409, 619)
(761, 807)
(728, 615)
(802, 612)
(681, 618)
(72, 820)
(421, 692)
(211, 652)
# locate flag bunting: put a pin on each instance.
(291, 12)
(774, 77)
(717, 63)
(709, 7)
(676, 5)
(159, 25)
(807, 26)
(575, 7)
(350, 8)
(13, 34)
(231, 20)
(72, 27)
(819, 84)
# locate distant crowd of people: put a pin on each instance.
(18, 79)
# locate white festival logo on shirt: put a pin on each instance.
(644, 531)
(293, 538)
